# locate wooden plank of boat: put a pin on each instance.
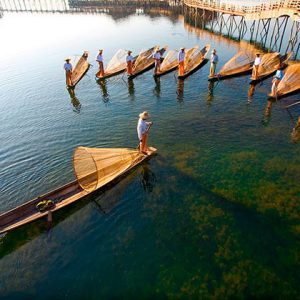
(218, 77)
(240, 64)
(65, 195)
(147, 63)
(80, 70)
(116, 67)
(283, 61)
(196, 61)
(169, 64)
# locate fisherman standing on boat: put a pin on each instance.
(256, 65)
(143, 130)
(214, 59)
(129, 62)
(181, 57)
(157, 58)
(276, 79)
(69, 69)
(100, 62)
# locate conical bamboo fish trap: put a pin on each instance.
(94, 167)
(239, 63)
(170, 61)
(290, 81)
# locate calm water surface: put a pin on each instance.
(214, 215)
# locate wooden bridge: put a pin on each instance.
(250, 9)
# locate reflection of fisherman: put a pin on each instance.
(256, 65)
(142, 130)
(296, 132)
(69, 69)
(157, 58)
(129, 61)
(276, 79)
(100, 62)
(181, 56)
(180, 90)
(213, 63)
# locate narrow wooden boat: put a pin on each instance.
(80, 70)
(290, 83)
(169, 64)
(94, 169)
(240, 64)
(116, 65)
(194, 61)
(145, 61)
(269, 64)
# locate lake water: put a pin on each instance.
(216, 214)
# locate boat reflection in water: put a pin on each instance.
(295, 135)
(156, 90)
(180, 90)
(74, 100)
(103, 87)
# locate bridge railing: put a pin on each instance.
(246, 6)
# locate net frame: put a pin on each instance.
(117, 62)
(170, 61)
(144, 59)
(94, 167)
(290, 81)
(240, 62)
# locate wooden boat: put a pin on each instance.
(145, 61)
(269, 64)
(194, 60)
(116, 65)
(94, 169)
(169, 64)
(240, 64)
(80, 69)
(289, 84)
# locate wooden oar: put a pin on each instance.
(293, 104)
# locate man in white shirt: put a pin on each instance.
(68, 68)
(256, 65)
(129, 62)
(157, 58)
(181, 57)
(143, 129)
(214, 59)
(99, 59)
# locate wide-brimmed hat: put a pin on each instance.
(214, 51)
(129, 51)
(67, 59)
(144, 115)
(182, 48)
(100, 50)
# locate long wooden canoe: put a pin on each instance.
(145, 62)
(240, 64)
(78, 189)
(195, 62)
(117, 65)
(80, 70)
(271, 66)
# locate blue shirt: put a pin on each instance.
(279, 74)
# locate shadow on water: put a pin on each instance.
(251, 91)
(104, 200)
(74, 100)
